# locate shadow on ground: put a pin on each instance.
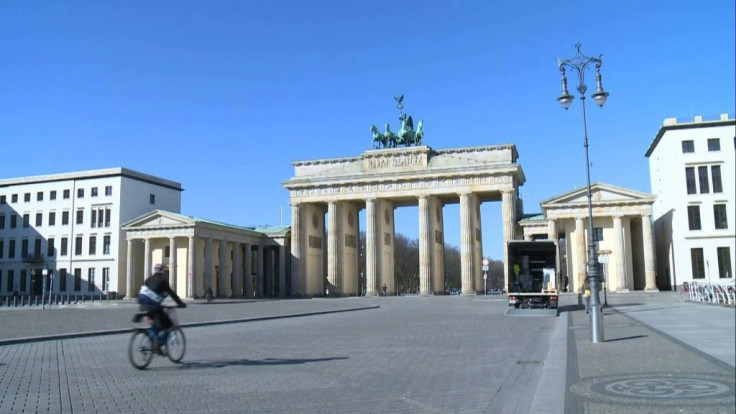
(247, 362)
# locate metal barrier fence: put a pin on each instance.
(721, 293)
(56, 299)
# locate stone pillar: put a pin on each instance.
(552, 236)
(147, 267)
(619, 254)
(237, 282)
(172, 263)
(248, 270)
(579, 254)
(466, 243)
(268, 272)
(222, 268)
(259, 271)
(425, 252)
(551, 230)
(207, 273)
(649, 272)
(130, 275)
(282, 272)
(437, 245)
(191, 266)
(508, 210)
(333, 255)
(371, 247)
(297, 274)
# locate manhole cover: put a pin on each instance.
(658, 389)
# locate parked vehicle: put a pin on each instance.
(532, 274)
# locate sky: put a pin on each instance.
(223, 96)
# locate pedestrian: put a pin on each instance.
(586, 295)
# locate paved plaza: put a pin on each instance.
(444, 354)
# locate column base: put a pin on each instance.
(651, 290)
(621, 291)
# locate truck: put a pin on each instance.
(533, 268)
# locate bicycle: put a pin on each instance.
(142, 345)
(208, 296)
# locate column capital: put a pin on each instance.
(647, 215)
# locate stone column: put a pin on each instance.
(466, 243)
(297, 284)
(620, 254)
(208, 266)
(551, 230)
(172, 263)
(333, 256)
(579, 254)
(425, 254)
(191, 266)
(282, 272)
(237, 270)
(508, 214)
(371, 247)
(648, 240)
(129, 274)
(248, 270)
(552, 236)
(147, 268)
(222, 268)
(259, 271)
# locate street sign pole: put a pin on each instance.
(486, 263)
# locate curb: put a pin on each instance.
(185, 325)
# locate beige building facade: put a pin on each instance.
(233, 261)
(622, 227)
(328, 194)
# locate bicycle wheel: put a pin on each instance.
(140, 349)
(176, 344)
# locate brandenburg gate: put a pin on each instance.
(379, 181)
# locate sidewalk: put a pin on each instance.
(660, 355)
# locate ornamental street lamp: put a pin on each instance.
(580, 63)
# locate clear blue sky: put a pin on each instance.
(222, 96)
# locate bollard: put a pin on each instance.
(22, 300)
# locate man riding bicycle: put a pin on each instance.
(152, 293)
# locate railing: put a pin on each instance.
(720, 293)
(33, 258)
(56, 299)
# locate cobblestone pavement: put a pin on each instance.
(410, 355)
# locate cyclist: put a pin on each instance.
(152, 293)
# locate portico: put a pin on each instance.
(379, 181)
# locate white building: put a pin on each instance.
(691, 167)
(70, 224)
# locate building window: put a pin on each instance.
(714, 144)
(39, 219)
(693, 217)
(14, 198)
(64, 246)
(39, 196)
(696, 257)
(2, 199)
(94, 191)
(91, 279)
(2, 248)
(23, 281)
(24, 248)
(64, 218)
(52, 195)
(106, 245)
(719, 214)
(50, 247)
(2, 221)
(52, 218)
(26, 220)
(107, 217)
(92, 245)
(13, 220)
(11, 276)
(690, 180)
(167, 251)
(597, 234)
(80, 216)
(62, 280)
(688, 146)
(11, 249)
(152, 199)
(100, 219)
(93, 223)
(80, 192)
(105, 279)
(715, 175)
(703, 179)
(108, 190)
(26, 197)
(77, 279)
(66, 194)
(37, 247)
(724, 262)
(78, 246)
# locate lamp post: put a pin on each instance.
(579, 63)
